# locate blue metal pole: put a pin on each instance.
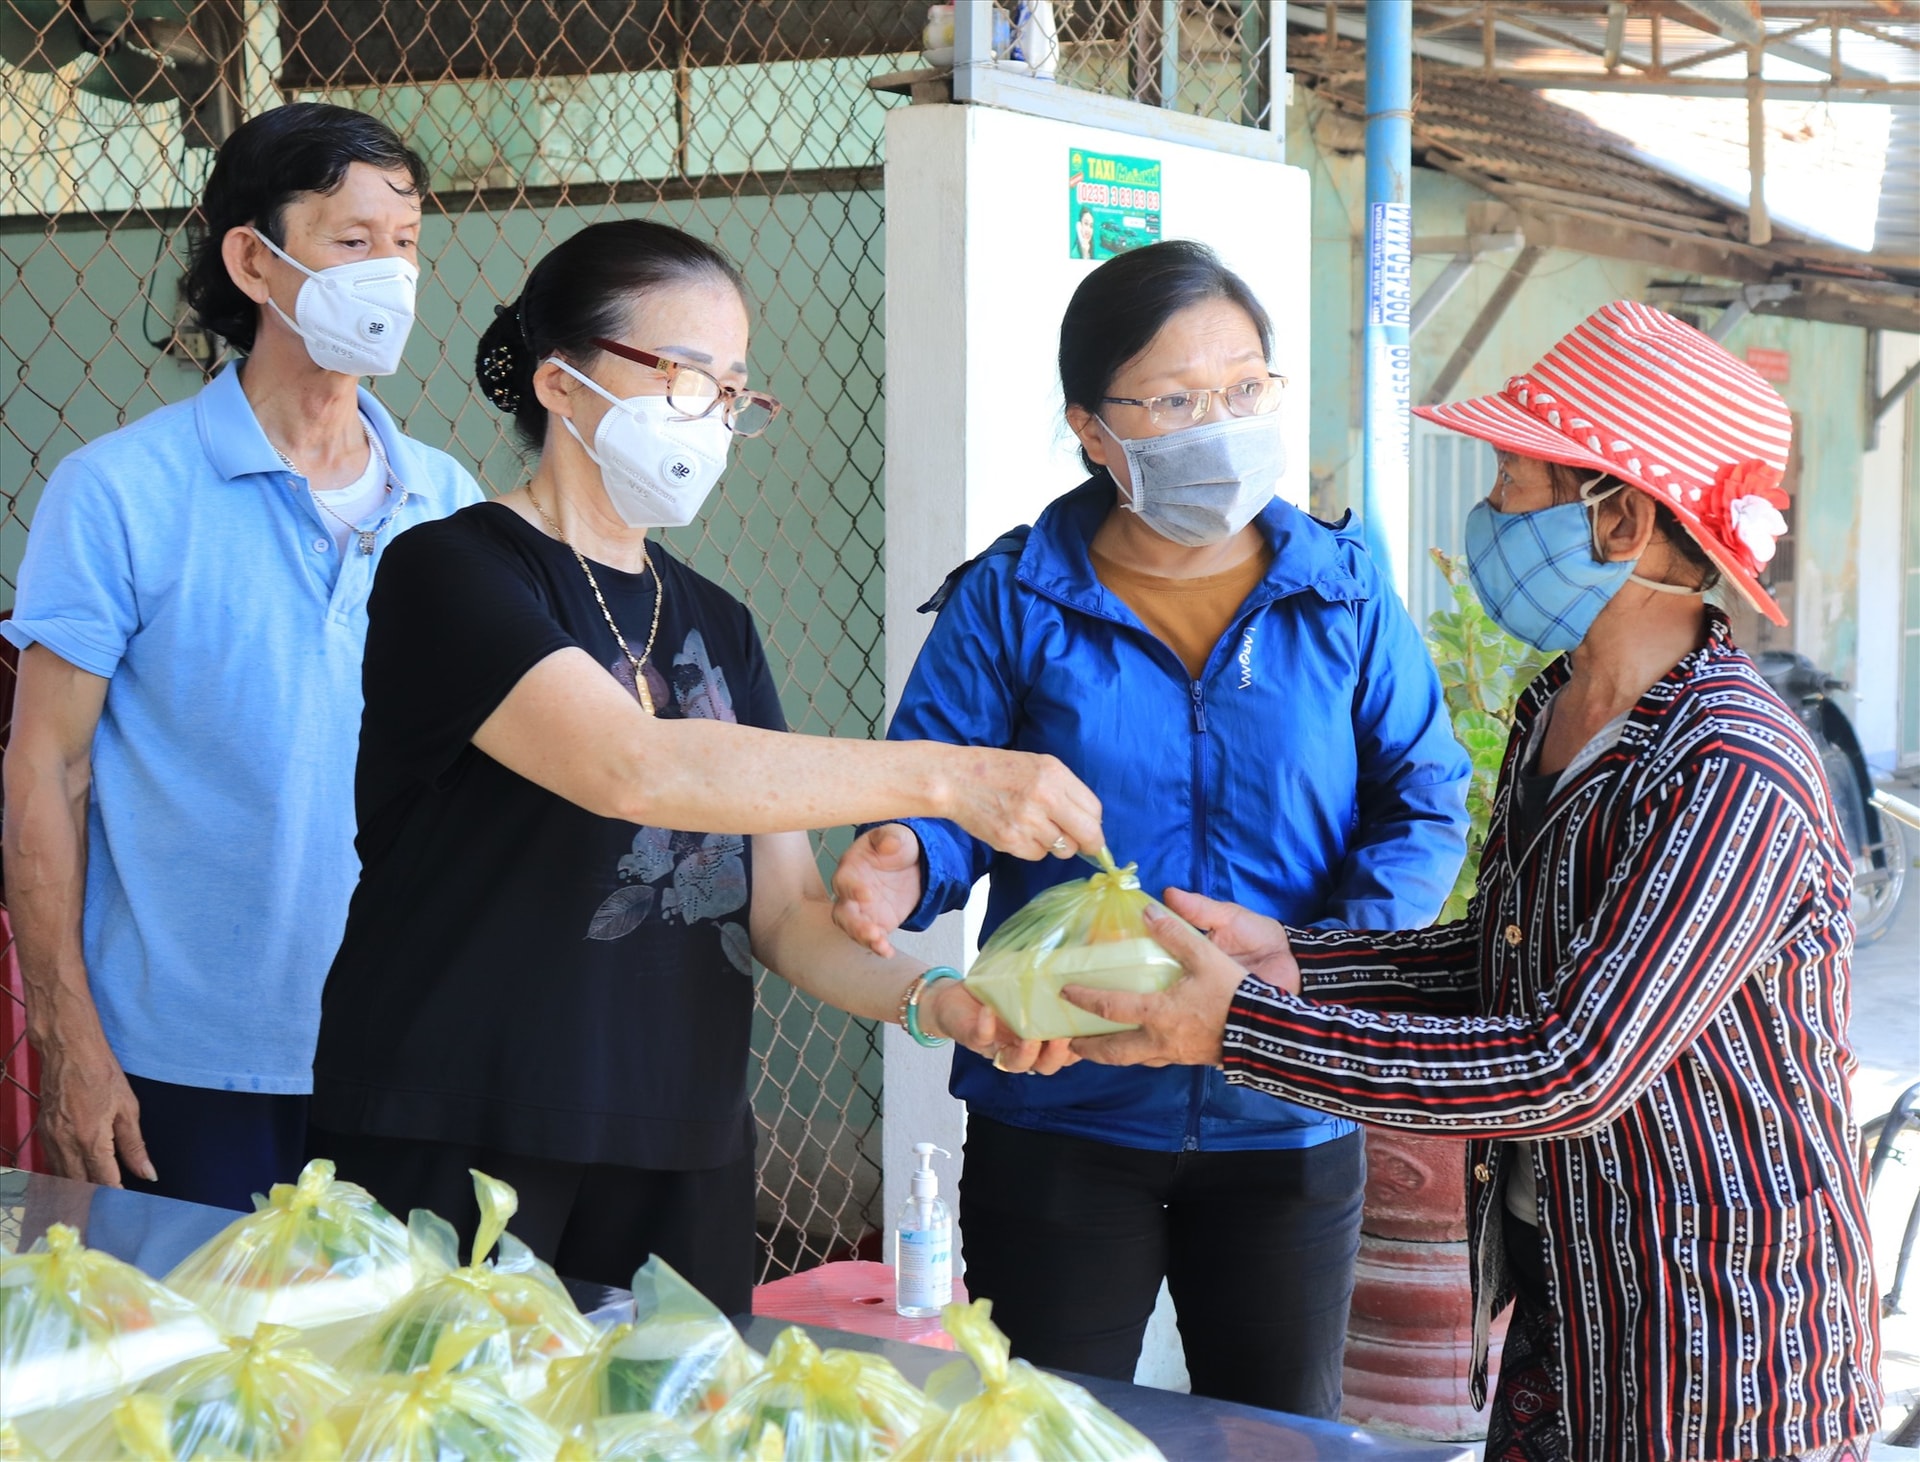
(1385, 489)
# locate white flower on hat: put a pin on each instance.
(1756, 523)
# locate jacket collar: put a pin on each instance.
(238, 447)
(1307, 555)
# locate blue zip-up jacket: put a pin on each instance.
(1310, 773)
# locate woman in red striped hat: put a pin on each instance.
(1640, 1029)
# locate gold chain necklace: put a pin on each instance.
(639, 663)
(377, 455)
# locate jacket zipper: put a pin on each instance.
(1198, 882)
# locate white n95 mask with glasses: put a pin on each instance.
(656, 464)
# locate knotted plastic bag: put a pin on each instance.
(824, 1406)
(641, 1436)
(1020, 1414)
(319, 1254)
(446, 1411)
(679, 1357)
(1092, 932)
(267, 1397)
(515, 1308)
(77, 1326)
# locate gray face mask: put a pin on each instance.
(1204, 484)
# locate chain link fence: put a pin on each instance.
(749, 122)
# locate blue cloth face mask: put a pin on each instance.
(1537, 575)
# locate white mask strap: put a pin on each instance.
(591, 385)
(283, 254)
(1662, 588)
(585, 380)
(1590, 498)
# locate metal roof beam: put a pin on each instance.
(1813, 91)
(1861, 86)
(1729, 18)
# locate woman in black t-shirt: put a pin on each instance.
(580, 817)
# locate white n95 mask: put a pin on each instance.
(1204, 484)
(353, 317)
(656, 465)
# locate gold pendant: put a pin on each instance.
(646, 696)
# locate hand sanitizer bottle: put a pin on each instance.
(923, 1243)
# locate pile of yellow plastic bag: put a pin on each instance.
(445, 1411)
(679, 1357)
(515, 1310)
(1092, 932)
(640, 1436)
(822, 1406)
(318, 1254)
(1021, 1413)
(262, 1398)
(78, 1326)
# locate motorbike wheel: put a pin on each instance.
(1877, 892)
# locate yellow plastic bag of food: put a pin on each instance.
(520, 1315)
(1021, 1414)
(320, 1255)
(1092, 932)
(640, 1436)
(267, 1397)
(823, 1406)
(78, 1326)
(679, 1357)
(446, 1411)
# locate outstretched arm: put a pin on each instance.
(1708, 889)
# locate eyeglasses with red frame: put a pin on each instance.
(695, 393)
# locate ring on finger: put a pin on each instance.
(1061, 846)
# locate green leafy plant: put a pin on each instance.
(1482, 669)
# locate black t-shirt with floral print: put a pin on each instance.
(517, 972)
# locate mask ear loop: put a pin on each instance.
(1128, 500)
(592, 385)
(1593, 500)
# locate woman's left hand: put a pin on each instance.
(960, 1017)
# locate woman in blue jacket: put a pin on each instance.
(1261, 722)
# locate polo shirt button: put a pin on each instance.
(321, 545)
(1483, 1172)
(1514, 936)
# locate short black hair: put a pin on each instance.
(582, 289)
(265, 164)
(1122, 305)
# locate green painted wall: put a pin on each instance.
(1825, 393)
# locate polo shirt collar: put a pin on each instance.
(238, 447)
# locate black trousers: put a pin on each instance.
(1071, 1238)
(217, 1147)
(588, 1221)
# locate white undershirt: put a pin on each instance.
(360, 502)
(1523, 1193)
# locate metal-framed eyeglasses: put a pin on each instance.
(694, 393)
(1255, 396)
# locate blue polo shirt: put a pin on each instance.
(180, 559)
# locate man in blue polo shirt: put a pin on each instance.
(191, 610)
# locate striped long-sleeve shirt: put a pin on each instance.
(1656, 992)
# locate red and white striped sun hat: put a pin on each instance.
(1649, 399)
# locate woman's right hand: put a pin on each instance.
(1024, 804)
(877, 885)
